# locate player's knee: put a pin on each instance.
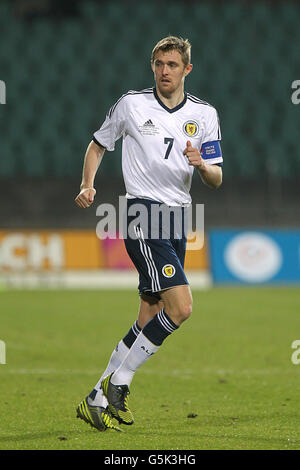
(181, 313)
(185, 311)
(179, 309)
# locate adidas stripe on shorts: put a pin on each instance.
(156, 244)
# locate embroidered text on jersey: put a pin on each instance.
(148, 128)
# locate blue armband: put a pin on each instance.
(211, 150)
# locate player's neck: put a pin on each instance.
(172, 100)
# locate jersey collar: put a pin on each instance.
(170, 110)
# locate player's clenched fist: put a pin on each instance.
(85, 198)
(194, 156)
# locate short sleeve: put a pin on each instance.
(211, 150)
(113, 127)
(212, 128)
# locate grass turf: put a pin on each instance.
(224, 380)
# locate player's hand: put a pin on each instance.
(85, 198)
(194, 156)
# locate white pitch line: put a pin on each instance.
(180, 373)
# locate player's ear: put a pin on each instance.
(188, 69)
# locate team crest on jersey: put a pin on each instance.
(191, 128)
(168, 270)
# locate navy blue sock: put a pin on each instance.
(132, 334)
(159, 328)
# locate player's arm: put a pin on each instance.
(104, 138)
(211, 175)
(92, 160)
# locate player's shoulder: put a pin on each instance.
(145, 91)
(130, 96)
(194, 101)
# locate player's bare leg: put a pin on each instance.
(149, 307)
(157, 320)
(178, 303)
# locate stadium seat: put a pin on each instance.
(63, 76)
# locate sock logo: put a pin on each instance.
(146, 351)
(168, 270)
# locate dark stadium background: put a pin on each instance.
(65, 63)
(66, 297)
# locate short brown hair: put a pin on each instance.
(172, 42)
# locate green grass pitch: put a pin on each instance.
(224, 380)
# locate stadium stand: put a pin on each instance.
(64, 72)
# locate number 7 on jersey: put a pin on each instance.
(169, 141)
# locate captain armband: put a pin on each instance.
(211, 150)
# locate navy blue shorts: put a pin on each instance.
(156, 243)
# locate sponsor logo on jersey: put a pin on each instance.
(168, 270)
(191, 128)
(148, 128)
(148, 123)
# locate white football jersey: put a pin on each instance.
(154, 138)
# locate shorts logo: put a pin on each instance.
(191, 128)
(168, 270)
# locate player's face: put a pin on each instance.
(169, 71)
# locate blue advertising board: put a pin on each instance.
(255, 256)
